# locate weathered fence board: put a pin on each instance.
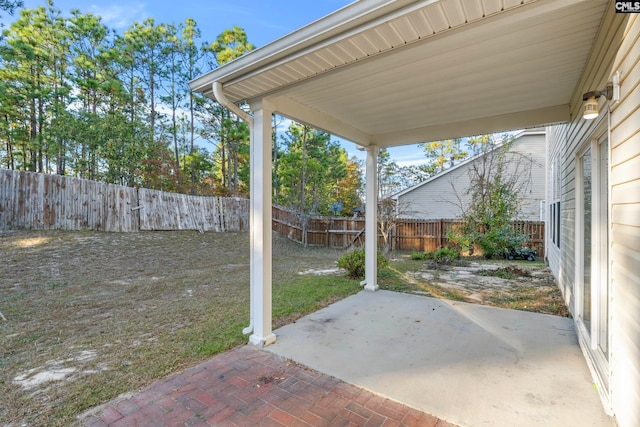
(41, 201)
(171, 211)
(233, 213)
(420, 235)
(408, 234)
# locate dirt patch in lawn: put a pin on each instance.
(520, 285)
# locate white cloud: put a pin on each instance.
(120, 17)
(283, 124)
(411, 162)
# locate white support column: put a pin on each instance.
(261, 254)
(371, 221)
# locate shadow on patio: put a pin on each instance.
(468, 364)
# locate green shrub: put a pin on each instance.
(442, 255)
(446, 255)
(354, 263)
(419, 256)
(457, 239)
(499, 241)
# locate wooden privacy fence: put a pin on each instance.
(336, 232)
(41, 201)
(421, 235)
(408, 234)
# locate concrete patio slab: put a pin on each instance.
(469, 364)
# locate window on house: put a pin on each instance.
(554, 207)
(557, 224)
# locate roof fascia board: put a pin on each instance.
(299, 112)
(344, 19)
(530, 131)
(478, 126)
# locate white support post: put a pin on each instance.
(261, 254)
(371, 221)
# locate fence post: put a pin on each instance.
(137, 212)
(327, 232)
(344, 235)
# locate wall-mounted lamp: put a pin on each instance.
(611, 92)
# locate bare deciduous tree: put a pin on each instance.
(498, 180)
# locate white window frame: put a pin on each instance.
(599, 363)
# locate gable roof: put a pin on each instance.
(463, 164)
(394, 72)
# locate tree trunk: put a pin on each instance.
(191, 143)
(229, 167)
(303, 178)
(10, 163)
(40, 134)
(236, 150)
(223, 160)
(275, 159)
(33, 128)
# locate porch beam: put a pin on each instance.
(314, 118)
(260, 227)
(484, 125)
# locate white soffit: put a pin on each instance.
(403, 72)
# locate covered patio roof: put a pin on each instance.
(392, 72)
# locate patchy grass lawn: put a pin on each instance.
(93, 315)
(519, 285)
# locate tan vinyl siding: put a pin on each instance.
(616, 49)
(533, 147)
(556, 191)
(439, 199)
(625, 213)
(444, 196)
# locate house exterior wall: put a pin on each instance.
(444, 195)
(625, 218)
(437, 199)
(616, 49)
(560, 212)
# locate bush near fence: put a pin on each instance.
(41, 201)
(407, 235)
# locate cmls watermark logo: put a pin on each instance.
(627, 7)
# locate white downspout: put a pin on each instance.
(224, 101)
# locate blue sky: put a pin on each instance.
(263, 21)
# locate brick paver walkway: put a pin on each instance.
(248, 386)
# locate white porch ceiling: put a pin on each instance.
(398, 72)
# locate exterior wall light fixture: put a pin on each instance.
(611, 92)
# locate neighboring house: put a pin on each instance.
(383, 73)
(444, 196)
